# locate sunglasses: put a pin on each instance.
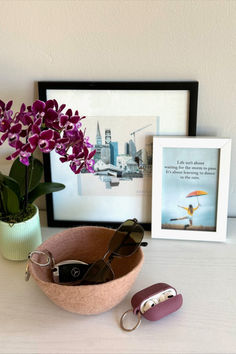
(125, 242)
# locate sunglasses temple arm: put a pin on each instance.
(127, 235)
(112, 256)
(142, 244)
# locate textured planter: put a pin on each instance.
(17, 240)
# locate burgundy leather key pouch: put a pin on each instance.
(153, 303)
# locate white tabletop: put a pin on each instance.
(204, 272)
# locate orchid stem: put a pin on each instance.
(30, 171)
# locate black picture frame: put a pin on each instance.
(44, 87)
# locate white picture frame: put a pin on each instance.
(182, 168)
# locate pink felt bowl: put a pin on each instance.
(87, 244)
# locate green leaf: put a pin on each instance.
(35, 172)
(11, 183)
(11, 200)
(3, 207)
(45, 188)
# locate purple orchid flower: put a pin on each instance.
(46, 140)
(38, 107)
(4, 125)
(5, 107)
(21, 151)
(14, 134)
(76, 166)
(5, 120)
(61, 132)
(89, 165)
(24, 157)
(52, 114)
(62, 146)
(81, 158)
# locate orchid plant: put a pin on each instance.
(42, 125)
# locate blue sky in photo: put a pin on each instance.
(184, 171)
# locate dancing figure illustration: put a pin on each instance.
(190, 211)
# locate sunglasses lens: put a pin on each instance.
(99, 272)
(127, 238)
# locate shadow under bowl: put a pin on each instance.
(87, 244)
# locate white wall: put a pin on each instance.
(124, 40)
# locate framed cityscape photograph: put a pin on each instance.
(121, 120)
(190, 188)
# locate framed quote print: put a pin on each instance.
(121, 120)
(190, 188)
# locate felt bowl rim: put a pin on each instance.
(33, 267)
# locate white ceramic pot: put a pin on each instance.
(17, 240)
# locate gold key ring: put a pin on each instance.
(122, 321)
